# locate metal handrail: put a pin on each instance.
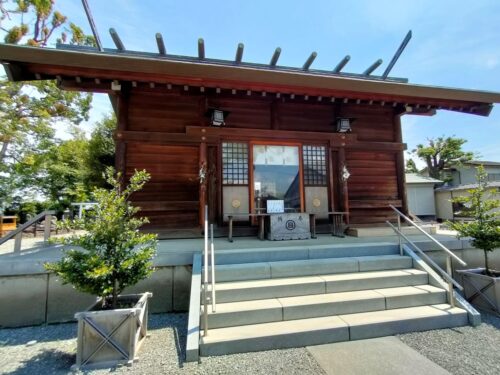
(444, 248)
(206, 265)
(212, 264)
(205, 276)
(17, 233)
(447, 275)
(427, 258)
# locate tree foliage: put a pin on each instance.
(485, 228)
(442, 153)
(410, 166)
(101, 152)
(30, 111)
(68, 171)
(114, 253)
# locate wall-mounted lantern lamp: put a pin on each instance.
(217, 116)
(343, 125)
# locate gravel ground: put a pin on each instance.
(462, 350)
(55, 347)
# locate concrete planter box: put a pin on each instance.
(481, 290)
(108, 338)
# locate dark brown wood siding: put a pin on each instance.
(159, 112)
(171, 198)
(372, 185)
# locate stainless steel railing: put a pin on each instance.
(208, 265)
(447, 275)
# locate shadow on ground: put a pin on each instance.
(50, 361)
(41, 333)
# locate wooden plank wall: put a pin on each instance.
(171, 199)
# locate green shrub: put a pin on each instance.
(113, 253)
(484, 229)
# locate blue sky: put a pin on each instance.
(454, 44)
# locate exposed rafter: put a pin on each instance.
(116, 39)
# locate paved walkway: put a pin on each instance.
(386, 355)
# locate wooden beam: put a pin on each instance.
(343, 190)
(309, 61)
(372, 67)
(341, 64)
(239, 53)
(122, 126)
(201, 48)
(29, 70)
(398, 53)
(84, 86)
(116, 39)
(276, 56)
(161, 45)
(203, 186)
(400, 166)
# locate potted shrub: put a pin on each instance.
(481, 285)
(111, 254)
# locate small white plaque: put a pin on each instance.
(275, 206)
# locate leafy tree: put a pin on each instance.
(115, 254)
(31, 110)
(442, 153)
(485, 228)
(101, 151)
(411, 167)
(69, 170)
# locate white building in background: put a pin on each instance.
(420, 195)
(461, 179)
(446, 210)
(465, 174)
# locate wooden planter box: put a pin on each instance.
(108, 338)
(481, 290)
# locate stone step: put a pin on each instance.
(311, 306)
(309, 267)
(247, 290)
(315, 331)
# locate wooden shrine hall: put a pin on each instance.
(234, 135)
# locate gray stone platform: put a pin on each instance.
(380, 356)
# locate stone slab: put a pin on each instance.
(193, 329)
(250, 271)
(341, 251)
(269, 288)
(23, 300)
(395, 321)
(244, 313)
(181, 287)
(313, 267)
(410, 296)
(331, 304)
(374, 279)
(274, 254)
(384, 262)
(289, 334)
(160, 284)
(289, 226)
(64, 301)
(380, 356)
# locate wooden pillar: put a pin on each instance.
(333, 180)
(122, 125)
(203, 184)
(343, 190)
(400, 165)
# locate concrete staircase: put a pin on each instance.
(293, 303)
